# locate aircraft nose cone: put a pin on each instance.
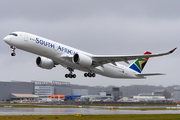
(6, 39)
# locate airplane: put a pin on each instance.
(51, 53)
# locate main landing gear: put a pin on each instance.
(70, 75)
(89, 75)
(13, 49)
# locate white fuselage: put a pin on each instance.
(59, 53)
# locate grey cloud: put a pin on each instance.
(99, 27)
(54, 10)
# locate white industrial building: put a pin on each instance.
(149, 98)
(176, 93)
(158, 95)
(45, 89)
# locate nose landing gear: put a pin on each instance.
(13, 49)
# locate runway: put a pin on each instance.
(84, 111)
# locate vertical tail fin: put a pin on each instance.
(139, 64)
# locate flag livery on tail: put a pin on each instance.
(139, 64)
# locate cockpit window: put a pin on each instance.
(13, 34)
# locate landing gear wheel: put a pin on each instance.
(13, 54)
(85, 75)
(89, 75)
(66, 75)
(93, 75)
(74, 75)
(13, 49)
(70, 75)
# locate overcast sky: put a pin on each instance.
(108, 27)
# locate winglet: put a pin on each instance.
(172, 50)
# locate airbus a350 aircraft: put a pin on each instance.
(52, 53)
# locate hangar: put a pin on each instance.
(17, 96)
(7, 88)
(18, 90)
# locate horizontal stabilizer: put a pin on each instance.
(149, 74)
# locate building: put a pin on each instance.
(45, 89)
(85, 92)
(17, 96)
(145, 94)
(61, 88)
(15, 87)
(15, 90)
(149, 98)
(162, 92)
(18, 90)
(116, 93)
(134, 90)
(176, 93)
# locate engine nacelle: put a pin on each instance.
(82, 60)
(44, 62)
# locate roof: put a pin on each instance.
(56, 96)
(159, 90)
(73, 95)
(177, 88)
(17, 95)
(145, 94)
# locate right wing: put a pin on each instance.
(103, 59)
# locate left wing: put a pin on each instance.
(103, 59)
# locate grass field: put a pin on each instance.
(92, 117)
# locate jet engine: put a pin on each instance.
(82, 60)
(44, 62)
